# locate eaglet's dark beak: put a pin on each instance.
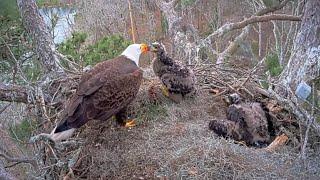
(154, 47)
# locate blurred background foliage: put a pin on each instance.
(106, 48)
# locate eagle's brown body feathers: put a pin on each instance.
(104, 91)
(245, 122)
(178, 79)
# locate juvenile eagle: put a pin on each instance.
(105, 90)
(246, 121)
(178, 81)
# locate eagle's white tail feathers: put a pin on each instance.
(56, 137)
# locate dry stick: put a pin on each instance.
(132, 22)
(18, 160)
(226, 84)
(233, 46)
(16, 62)
(250, 73)
(4, 108)
(298, 111)
(43, 104)
(16, 91)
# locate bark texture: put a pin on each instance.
(40, 34)
(304, 63)
(13, 93)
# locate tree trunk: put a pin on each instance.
(304, 63)
(40, 34)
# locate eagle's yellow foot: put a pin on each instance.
(130, 123)
(241, 142)
(165, 91)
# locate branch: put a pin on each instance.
(13, 93)
(4, 108)
(272, 8)
(132, 23)
(233, 46)
(19, 160)
(254, 19)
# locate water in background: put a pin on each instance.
(65, 21)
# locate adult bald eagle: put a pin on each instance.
(178, 81)
(104, 91)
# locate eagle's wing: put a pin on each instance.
(89, 84)
(103, 95)
(115, 94)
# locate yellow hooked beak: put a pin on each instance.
(144, 48)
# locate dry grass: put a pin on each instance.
(173, 141)
(176, 144)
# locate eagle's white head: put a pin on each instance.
(134, 51)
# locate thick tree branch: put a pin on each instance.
(233, 46)
(272, 8)
(18, 160)
(254, 19)
(13, 93)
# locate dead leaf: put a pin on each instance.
(193, 171)
(214, 91)
(274, 107)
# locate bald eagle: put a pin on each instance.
(178, 81)
(105, 90)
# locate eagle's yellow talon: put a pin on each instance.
(241, 142)
(130, 123)
(165, 91)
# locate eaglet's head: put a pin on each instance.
(157, 47)
(134, 51)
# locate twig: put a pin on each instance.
(253, 19)
(16, 62)
(19, 160)
(4, 108)
(299, 111)
(52, 151)
(252, 71)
